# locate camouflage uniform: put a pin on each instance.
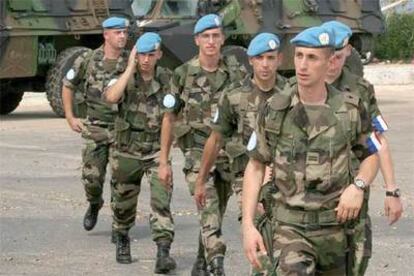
(197, 93)
(310, 148)
(94, 72)
(349, 82)
(236, 119)
(137, 149)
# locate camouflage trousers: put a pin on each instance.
(361, 242)
(302, 251)
(218, 192)
(96, 154)
(128, 173)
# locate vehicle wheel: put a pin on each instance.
(9, 100)
(354, 63)
(55, 75)
(240, 53)
(367, 58)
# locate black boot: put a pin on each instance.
(217, 266)
(123, 250)
(91, 216)
(200, 265)
(164, 263)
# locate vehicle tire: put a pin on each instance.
(55, 76)
(240, 53)
(354, 63)
(9, 100)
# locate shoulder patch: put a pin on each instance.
(112, 82)
(169, 101)
(70, 75)
(251, 145)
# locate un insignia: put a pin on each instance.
(169, 101)
(324, 39)
(70, 75)
(112, 82)
(251, 145)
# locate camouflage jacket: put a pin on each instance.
(310, 146)
(97, 75)
(236, 117)
(138, 126)
(197, 93)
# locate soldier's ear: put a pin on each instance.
(348, 50)
(159, 54)
(250, 61)
(196, 40)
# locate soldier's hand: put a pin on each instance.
(132, 60)
(268, 175)
(200, 194)
(165, 174)
(75, 124)
(393, 208)
(253, 245)
(350, 203)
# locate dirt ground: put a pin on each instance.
(42, 202)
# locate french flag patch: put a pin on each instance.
(374, 145)
(379, 124)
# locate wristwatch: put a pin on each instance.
(360, 184)
(395, 193)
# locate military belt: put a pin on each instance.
(306, 219)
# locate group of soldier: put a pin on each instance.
(299, 154)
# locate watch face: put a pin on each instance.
(397, 192)
(359, 183)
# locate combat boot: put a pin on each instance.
(199, 267)
(123, 249)
(217, 266)
(164, 263)
(91, 215)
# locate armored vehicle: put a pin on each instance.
(242, 19)
(39, 40)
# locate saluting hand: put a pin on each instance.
(132, 60)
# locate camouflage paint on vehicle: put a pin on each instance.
(242, 19)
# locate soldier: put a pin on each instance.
(308, 132)
(196, 87)
(139, 91)
(341, 78)
(91, 72)
(236, 114)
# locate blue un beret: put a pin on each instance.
(342, 32)
(262, 43)
(148, 42)
(314, 37)
(115, 23)
(209, 21)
